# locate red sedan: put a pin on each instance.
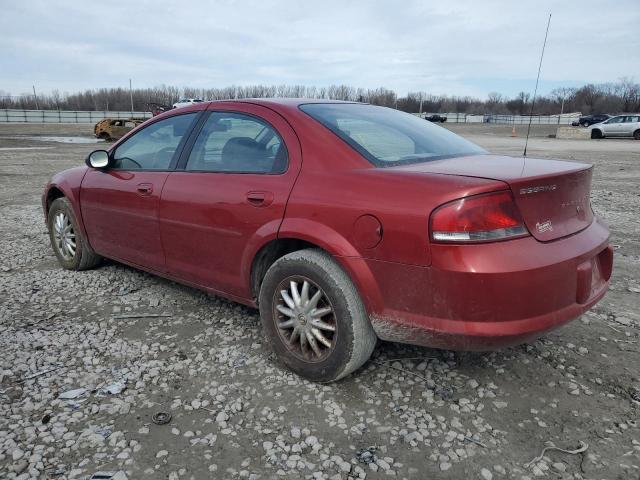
(343, 223)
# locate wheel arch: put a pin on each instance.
(268, 254)
(294, 235)
(66, 184)
(53, 194)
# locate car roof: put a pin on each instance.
(289, 102)
(280, 105)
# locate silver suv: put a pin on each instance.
(619, 126)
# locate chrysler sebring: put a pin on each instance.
(343, 223)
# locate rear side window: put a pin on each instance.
(237, 143)
(388, 137)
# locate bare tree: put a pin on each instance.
(618, 97)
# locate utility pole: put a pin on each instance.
(421, 104)
(35, 97)
(131, 95)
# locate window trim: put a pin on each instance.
(186, 151)
(176, 155)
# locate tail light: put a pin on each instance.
(479, 218)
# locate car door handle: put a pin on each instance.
(145, 188)
(260, 199)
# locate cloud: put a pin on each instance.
(461, 47)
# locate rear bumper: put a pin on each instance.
(482, 297)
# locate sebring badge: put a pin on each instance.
(539, 188)
(544, 226)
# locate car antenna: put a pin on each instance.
(535, 92)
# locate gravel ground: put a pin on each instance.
(131, 345)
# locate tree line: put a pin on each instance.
(616, 97)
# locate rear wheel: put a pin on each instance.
(595, 133)
(584, 124)
(636, 134)
(70, 247)
(313, 317)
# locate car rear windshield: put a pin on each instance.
(388, 137)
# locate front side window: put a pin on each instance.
(237, 143)
(615, 120)
(153, 148)
(388, 137)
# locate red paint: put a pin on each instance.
(367, 232)
(204, 229)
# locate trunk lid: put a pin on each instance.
(552, 195)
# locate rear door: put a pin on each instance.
(228, 194)
(120, 204)
(630, 125)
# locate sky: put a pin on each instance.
(454, 47)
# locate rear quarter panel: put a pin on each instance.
(400, 202)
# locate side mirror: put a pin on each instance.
(98, 159)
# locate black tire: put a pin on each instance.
(636, 135)
(595, 133)
(83, 257)
(353, 339)
(584, 124)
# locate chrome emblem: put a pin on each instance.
(544, 226)
(538, 189)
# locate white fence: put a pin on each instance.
(564, 119)
(63, 116)
(66, 116)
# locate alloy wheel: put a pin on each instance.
(64, 235)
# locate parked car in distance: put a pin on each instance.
(436, 118)
(588, 120)
(618, 126)
(114, 128)
(157, 108)
(343, 223)
(185, 102)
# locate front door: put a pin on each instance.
(230, 191)
(613, 127)
(119, 204)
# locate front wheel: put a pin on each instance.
(313, 317)
(636, 135)
(70, 247)
(595, 133)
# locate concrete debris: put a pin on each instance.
(73, 394)
(114, 388)
(119, 475)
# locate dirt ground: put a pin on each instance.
(409, 413)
